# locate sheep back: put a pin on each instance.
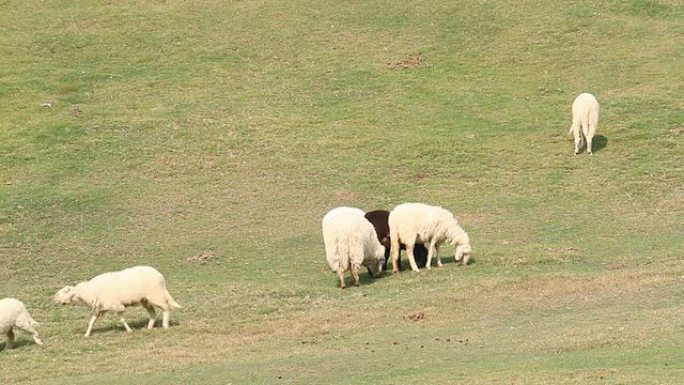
(14, 313)
(113, 291)
(585, 115)
(350, 238)
(420, 223)
(585, 109)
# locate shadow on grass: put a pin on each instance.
(115, 324)
(451, 260)
(599, 143)
(368, 279)
(18, 343)
(365, 277)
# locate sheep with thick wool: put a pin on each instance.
(585, 116)
(115, 291)
(13, 314)
(412, 223)
(379, 219)
(350, 241)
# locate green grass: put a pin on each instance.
(230, 128)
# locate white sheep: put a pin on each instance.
(350, 241)
(13, 314)
(114, 291)
(585, 115)
(412, 223)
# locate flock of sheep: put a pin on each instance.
(108, 292)
(352, 239)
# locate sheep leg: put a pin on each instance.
(91, 323)
(411, 257)
(394, 252)
(385, 242)
(589, 145)
(165, 318)
(153, 314)
(340, 273)
(439, 259)
(355, 274)
(123, 321)
(10, 339)
(431, 252)
(578, 139)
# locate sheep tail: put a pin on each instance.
(171, 302)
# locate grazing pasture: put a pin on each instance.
(209, 138)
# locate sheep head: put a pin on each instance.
(462, 254)
(377, 262)
(65, 295)
(461, 241)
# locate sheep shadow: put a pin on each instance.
(598, 143)
(18, 343)
(365, 278)
(114, 324)
(447, 261)
(451, 260)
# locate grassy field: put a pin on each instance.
(209, 138)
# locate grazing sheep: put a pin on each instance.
(350, 241)
(114, 291)
(585, 115)
(379, 219)
(13, 314)
(412, 223)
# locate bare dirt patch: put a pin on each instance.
(413, 61)
(416, 316)
(201, 258)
